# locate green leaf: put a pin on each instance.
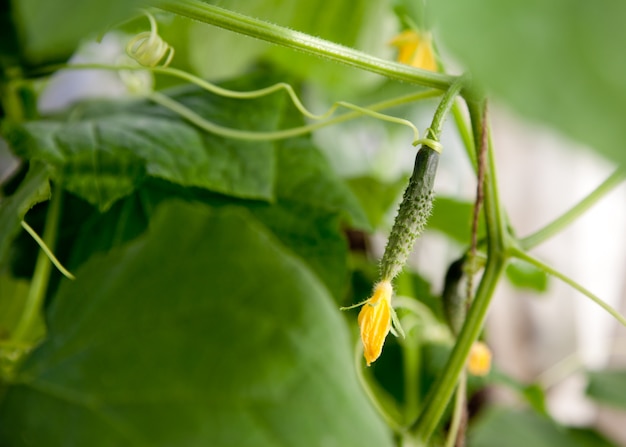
(106, 149)
(453, 218)
(311, 205)
(9, 46)
(315, 236)
(589, 437)
(608, 387)
(88, 231)
(526, 276)
(558, 62)
(376, 198)
(204, 331)
(33, 189)
(533, 393)
(306, 177)
(13, 296)
(89, 158)
(500, 426)
(50, 30)
(312, 202)
(12, 299)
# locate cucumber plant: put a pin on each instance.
(175, 248)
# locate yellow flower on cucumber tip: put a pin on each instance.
(479, 360)
(415, 49)
(375, 321)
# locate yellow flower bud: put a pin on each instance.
(375, 321)
(479, 361)
(415, 49)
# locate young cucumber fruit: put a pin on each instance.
(413, 213)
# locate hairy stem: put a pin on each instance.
(576, 211)
(315, 46)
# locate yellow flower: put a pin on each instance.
(415, 49)
(375, 321)
(479, 361)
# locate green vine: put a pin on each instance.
(43, 267)
(214, 15)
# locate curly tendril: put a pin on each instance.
(148, 48)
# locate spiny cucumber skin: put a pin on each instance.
(413, 213)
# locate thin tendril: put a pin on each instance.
(357, 111)
(47, 251)
(148, 48)
(227, 132)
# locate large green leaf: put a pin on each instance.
(106, 149)
(310, 209)
(560, 62)
(12, 299)
(311, 205)
(205, 331)
(51, 29)
(305, 176)
(453, 218)
(608, 387)
(9, 46)
(33, 189)
(501, 426)
(376, 198)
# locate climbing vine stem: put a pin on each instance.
(497, 241)
(43, 266)
(315, 46)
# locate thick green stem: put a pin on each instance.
(457, 414)
(39, 283)
(315, 46)
(444, 387)
(576, 211)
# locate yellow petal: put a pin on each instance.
(479, 361)
(375, 321)
(415, 49)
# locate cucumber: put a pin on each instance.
(413, 213)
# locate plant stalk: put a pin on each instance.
(242, 24)
(439, 396)
(41, 276)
